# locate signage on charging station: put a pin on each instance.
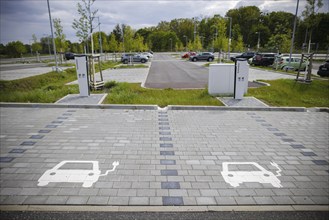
(82, 74)
(240, 78)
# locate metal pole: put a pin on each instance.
(100, 37)
(293, 33)
(229, 38)
(52, 35)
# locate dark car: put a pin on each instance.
(324, 69)
(203, 56)
(246, 55)
(263, 59)
(69, 56)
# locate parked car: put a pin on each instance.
(126, 58)
(69, 56)
(188, 54)
(283, 63)
(203, 56)
(246, 55)
(263, 59)
(324, 69)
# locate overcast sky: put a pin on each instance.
(22, 18)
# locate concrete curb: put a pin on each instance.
(62, 208)
(155, 107)
(49, 105)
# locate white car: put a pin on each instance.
(149, 55)
(88, 177)
(235, 178)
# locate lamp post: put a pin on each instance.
(52, 35)
(229, 38)
(258, 42)
(170, 44)
(185, 42)
(48, 44)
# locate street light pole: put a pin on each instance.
(185, 42)
(258, 42)
(52, 35)
(170, 44)
(229, 38)
(293, 33)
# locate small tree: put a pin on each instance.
(113, 44)
(36, 46)
(60, 41)
(84, 26)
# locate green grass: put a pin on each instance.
(132, 93)
(45, 88)
(287, 92)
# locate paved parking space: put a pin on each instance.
(163, 157)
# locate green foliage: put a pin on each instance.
(110, 84)
(288, 92)
(60, 40)
(125, 93)
(15, 49)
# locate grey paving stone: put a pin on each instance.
(172, 200)
(35, 200)
(163, 123)
(139, 201)
(320, 162)
(163, 119)
(115, 200)
(164, 128)
(288, 140)
(167, 153)
(167, 162)
(245, 200)
(44, 131)
(36, 136)
(62, 117)
(56, 200)
(13, 200)
(166, 144)
(297, 146)
(225, 200)
(28, 143)
(164, 133)
(272, 129)
(165, 139)
(283, 200)
(169, 173)
(57, 122)
(6, 159)
(51, 126)
(280, 134)
(98, 200)
(77, 200)
(17, 150)
(309, 154)
(170, 185)
(206, 200)
(264, 200)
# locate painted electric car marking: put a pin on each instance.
(87, 177)
(235, 178)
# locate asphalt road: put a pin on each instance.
(168, 72)
(21, 66)
(165, 215)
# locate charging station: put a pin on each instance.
(82, 74)
(241, 72)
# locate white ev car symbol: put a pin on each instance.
(87, 177)
(234, 178)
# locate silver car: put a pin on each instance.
(126, 58)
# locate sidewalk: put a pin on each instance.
(163, 157)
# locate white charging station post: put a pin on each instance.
(240, 78)
(82, 74)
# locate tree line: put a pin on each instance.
(245, 28)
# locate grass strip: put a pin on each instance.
(133, 93)
(288, 92)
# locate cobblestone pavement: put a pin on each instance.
(163, 157)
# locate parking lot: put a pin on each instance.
(163, 157)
